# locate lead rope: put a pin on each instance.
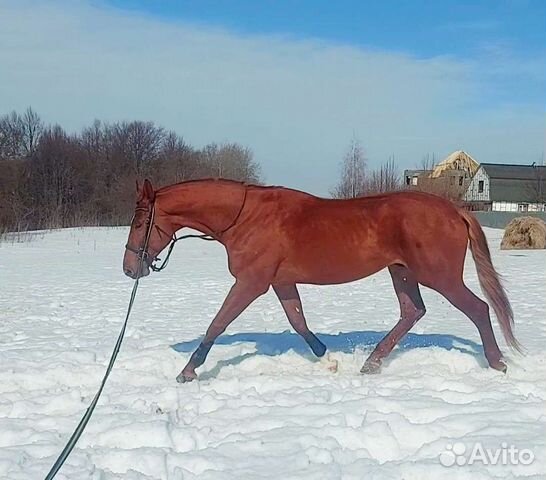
(85, 419)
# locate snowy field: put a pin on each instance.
(263, 407)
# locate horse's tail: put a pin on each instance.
(489, 280)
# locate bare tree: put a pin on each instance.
(140, 144)
(32, 128)
(536, 187)
(384, 179)
(428, 162)
(51, 179)
(19, 134)
(11, 136)
(232, 161)
(352, 183)
(179, 159)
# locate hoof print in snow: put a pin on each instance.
(371, 368)
(331, 364)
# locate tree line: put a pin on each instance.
(50, 178)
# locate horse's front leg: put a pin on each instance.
(241, 295)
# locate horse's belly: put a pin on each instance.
(331, 266)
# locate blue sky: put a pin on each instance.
(424, 28)
(421, 27)
(293, 80)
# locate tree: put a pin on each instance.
(11, 136)
(537, 186)
(32, 128)
(231, 161)
(384, 179)
(352, 183)
(139, 143)
(51, 179)
(54, 184)
(19, 134)
(179, 160)
(428, 162)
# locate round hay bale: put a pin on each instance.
(524, 233)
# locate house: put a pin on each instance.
(485, 186)
(508, 188)
(450, 178)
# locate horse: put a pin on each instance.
(280, 237)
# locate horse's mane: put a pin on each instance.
(223, 181)
(226, 181)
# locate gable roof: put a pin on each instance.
(458, 160)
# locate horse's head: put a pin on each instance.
(150, 233)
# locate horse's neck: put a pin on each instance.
(207, 206)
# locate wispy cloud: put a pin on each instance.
(295, 102)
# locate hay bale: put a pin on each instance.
(524, 233)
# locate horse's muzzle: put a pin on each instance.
(144, 272)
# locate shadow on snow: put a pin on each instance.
(272, 344)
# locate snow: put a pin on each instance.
(263, 408)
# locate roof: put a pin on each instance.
(514, 172)
(516, 183)
(458, 160)
(506, 190)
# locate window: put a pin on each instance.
(408, 180)
(480, 186)
(460, 181)
(414, 181)
(523, 207)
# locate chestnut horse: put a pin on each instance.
(279, 237)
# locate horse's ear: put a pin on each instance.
(148, 190)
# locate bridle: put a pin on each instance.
(143, 254)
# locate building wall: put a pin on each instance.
(521, 207)
(473, 193)
(504, 207)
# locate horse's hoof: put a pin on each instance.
(371, 367)
(499, 365)
(186, 377)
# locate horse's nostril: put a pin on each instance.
(128, 272)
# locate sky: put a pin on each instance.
(293, 80)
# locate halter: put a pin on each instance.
(143, 254)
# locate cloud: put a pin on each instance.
(295, 102)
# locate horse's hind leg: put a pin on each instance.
(291, 303)
(412, 309)
(477, 310)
